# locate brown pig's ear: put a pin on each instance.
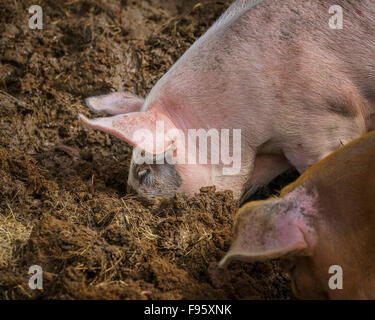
(115, 103)
(266, 230)
(146, 130)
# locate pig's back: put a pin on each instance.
(263, 62)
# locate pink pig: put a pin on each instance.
(296, 88)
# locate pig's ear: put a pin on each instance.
(115, 103)
(266, 230)
(145, 130)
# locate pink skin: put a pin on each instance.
(272, 228)
(115, 103)
(125, 125)
(325, 218)
(296, 90)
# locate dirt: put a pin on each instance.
(63, 199)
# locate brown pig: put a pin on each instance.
(324, 221)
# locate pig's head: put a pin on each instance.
(153, 180)
(281, 228)
(153, 136)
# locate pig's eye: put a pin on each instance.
(142, 174)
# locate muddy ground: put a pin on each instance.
(63, 199)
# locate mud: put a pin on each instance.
(63, 199)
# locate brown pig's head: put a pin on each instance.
(280, 228)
